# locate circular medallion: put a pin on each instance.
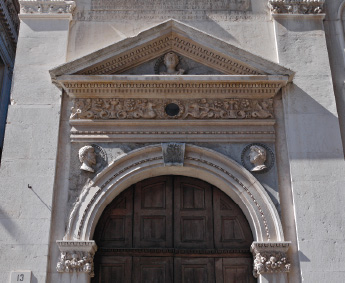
(172, 109)
(257, 158)
(101, 158)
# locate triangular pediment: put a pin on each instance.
(207, 53)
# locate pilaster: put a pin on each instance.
(30, 146)
(313, 138)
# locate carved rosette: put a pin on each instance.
(270, 257)
(46, 7)
(76, 256)
(296, 6)
(124, 109)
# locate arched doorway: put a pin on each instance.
(173, 229)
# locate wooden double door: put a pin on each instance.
(173, 229)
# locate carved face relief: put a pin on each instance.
(171, 60)
(257, 156)
(87, 157)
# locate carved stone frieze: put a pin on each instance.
(270, 257)
(76, 256)
(173, 154)
(296, 6)
(46, 7)
(122, 109)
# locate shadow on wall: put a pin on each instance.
(300, 25)
(7, 223)
(303, 257)
(314, 130)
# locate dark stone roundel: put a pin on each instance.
(172, 109)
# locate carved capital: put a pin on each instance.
(296, 6)
(270, 257)
(76, 256)
(46, 7)
(173, 153)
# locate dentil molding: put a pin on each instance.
(51, 7)
(296, 6)
(270, 257)
(76, 256)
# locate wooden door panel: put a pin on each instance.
(231, 228)
(234, 270)
(115, 227)
(193, 218)
(153, 213)
(194, 270)
(153, 270)
(158, 231)
(114, 269)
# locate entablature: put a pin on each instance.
(171, 83)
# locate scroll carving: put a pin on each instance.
(124, 109)
(296, 7)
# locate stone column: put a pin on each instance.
(76, 260)
(315, 152)
(30, 147)
(270, 261)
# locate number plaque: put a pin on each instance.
(23, 276)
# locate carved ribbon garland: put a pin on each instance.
(117, 108)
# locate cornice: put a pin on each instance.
(299, 7)
(44, 9)
(194, 86)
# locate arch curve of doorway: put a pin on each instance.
(202, 163)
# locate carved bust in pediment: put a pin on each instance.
(171, 61)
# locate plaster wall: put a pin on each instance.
(30, 147)
(92, 29)
(314, 147)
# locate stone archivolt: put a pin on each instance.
(296, 6)
(117, 108)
